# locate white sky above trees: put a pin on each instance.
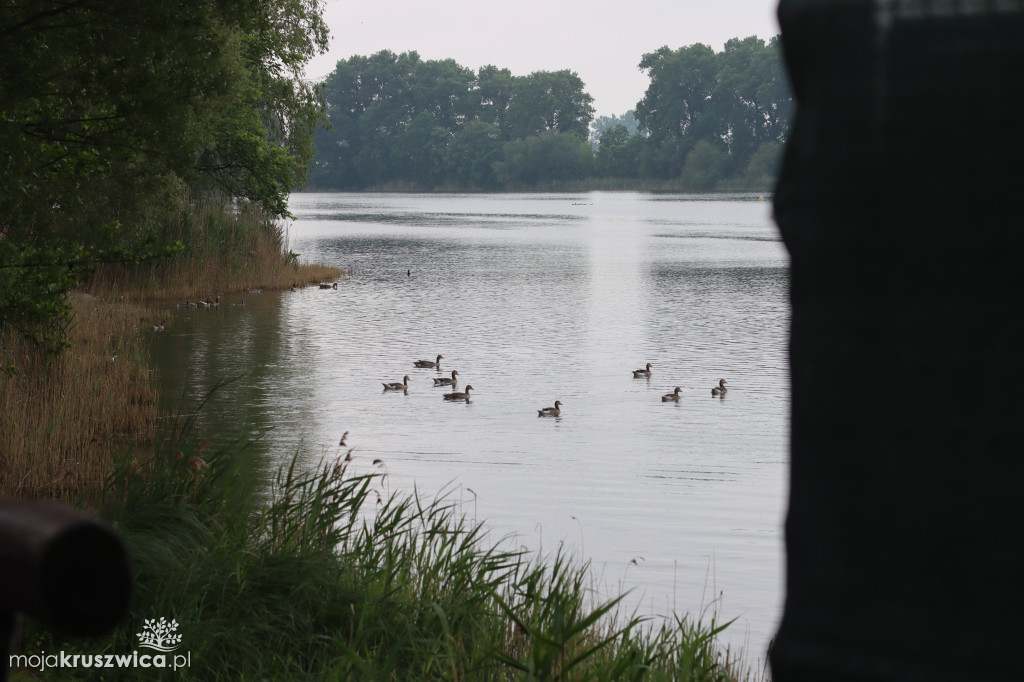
(600, 40)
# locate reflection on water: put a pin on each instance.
(535, 298)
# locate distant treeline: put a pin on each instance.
(707, 119)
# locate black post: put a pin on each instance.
(899, 202)
(59, 566)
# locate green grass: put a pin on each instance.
(318, 578)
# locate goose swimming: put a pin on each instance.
(427, 364)
(551, 411)
(445, 381)
(646, 372)
(674, 396)
(720, 389)
(460, 395)
(398, 386)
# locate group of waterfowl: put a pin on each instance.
(208, 303)
(645, 373)
(452, 381)
(553, 411)
(215, 302)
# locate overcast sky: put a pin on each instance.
(601, 41)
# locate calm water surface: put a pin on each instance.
(535, 298)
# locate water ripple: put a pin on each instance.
(533, 298)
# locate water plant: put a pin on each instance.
(231, 248)
(62, 415)
(318, 577)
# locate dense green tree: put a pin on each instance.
(675, 109)
(603, 123)
(264, 145)
(618, 153)
(418, 151)
(705, 166)
(544, 158)
(734, 101)
(763, 166)
(380, 132)
(494, 90)
(472, 154)
(753, 95)
(371, 103)
(445, 90)
(99, 108)
(105, 108)
(347, 98)
(549, 101)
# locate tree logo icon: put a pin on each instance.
(160, 635)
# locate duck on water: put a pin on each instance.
(645, 372)
(551, 411)
(460, 395)
(445, 381)
(674, 396)
(398, 386)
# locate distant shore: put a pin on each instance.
(587, 185)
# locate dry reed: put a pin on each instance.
(227, 250)
(62, 416)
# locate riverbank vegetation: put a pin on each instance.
(62, 416)
(147, 151)
(707, 120)
(326, 577)
(116, 115)
(65, 415)
(231, 249)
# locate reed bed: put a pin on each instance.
(62, 416)
(322, 579)
(228, 249)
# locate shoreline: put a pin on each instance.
(591, 185)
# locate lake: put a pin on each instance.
(534, 298)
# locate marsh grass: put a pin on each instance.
(317, 578)
(62, 417)
(228, 249)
